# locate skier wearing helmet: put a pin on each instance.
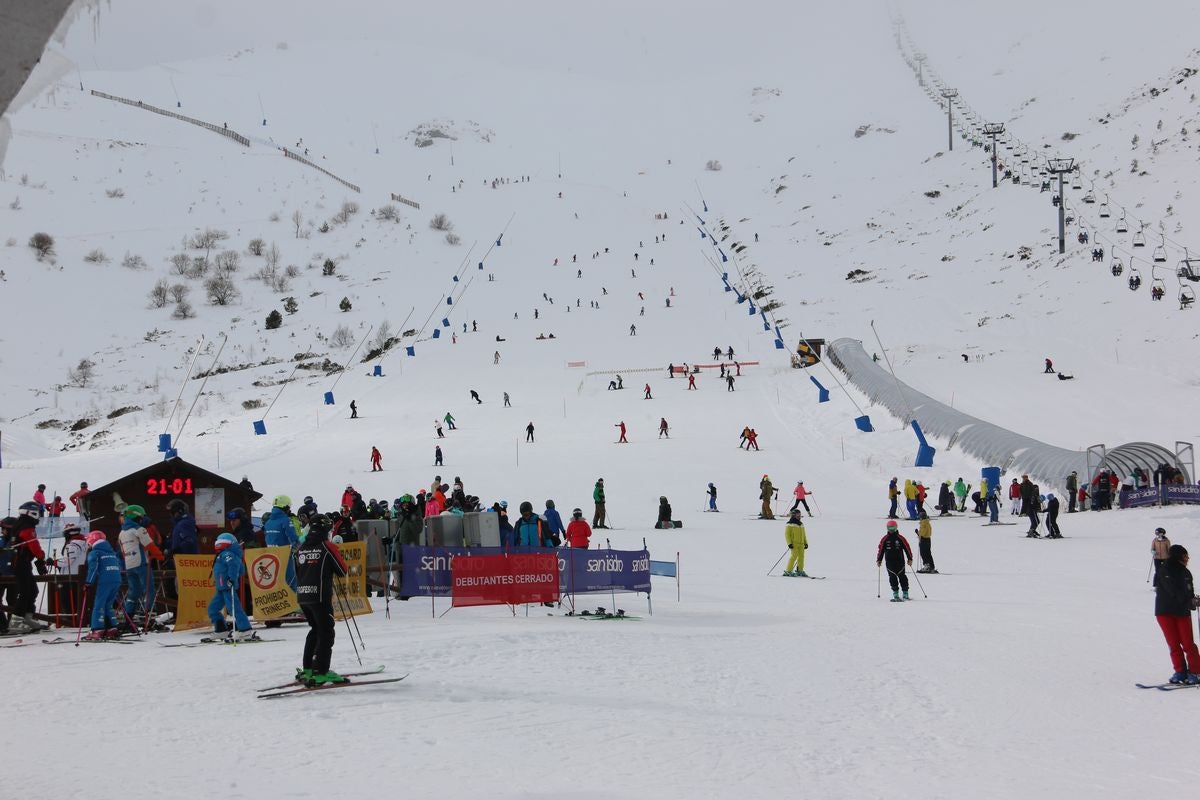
(767, 491)
(319, 561)
(894, 549)
(280, 532)
(104, 576)
(27, 553)
(137, 549)
(183, 531)
(228, 570)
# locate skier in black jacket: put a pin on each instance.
(317, 561)
(1174, 601)
(895, 550)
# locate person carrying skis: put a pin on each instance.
(622, 440)
(227, 571)
(893, 498)
(800, 493)
(767, 491)
(925, 544)
(104, 576)
(318, 561)
(376, 459)
(598, 519)
(960, 491)
(1160, 548)
(797, 542)
(712, 497)
(137, 549)
(578, 533)
(1174, 600)
(893, 548)
(663, 430)
(1052, 531)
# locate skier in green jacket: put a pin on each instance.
(598, 520)
(960, 491)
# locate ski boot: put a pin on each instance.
(799, 574)
(325, 678)
(112, 633)
(1178, 677)
(895, 597)
(242, 636)
(788, 574)
(96, 635)
(303, 675)
(906, 594)
(1192, 679)
(1033, 535)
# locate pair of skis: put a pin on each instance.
(297, 687)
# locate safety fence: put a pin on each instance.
(290, 154)
(396, 198)
(221, 129)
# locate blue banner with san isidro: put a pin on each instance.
(427, 570)
(1160, 495)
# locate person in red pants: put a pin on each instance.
(1174, 601)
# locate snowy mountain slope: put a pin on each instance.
(751, 685)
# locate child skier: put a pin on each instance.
(925, 544)
(578, 532)
(317, 562)
(228, 570)
(712, 497)
(104, 576)
(797, 542)
(895, 550)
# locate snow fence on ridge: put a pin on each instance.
(991, 444)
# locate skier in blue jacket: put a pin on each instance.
(529, 529)
(228, 570)
(554, 523)
(183, 533)
(279, 531)
(104, 576)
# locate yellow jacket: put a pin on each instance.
(795, 536)
(910, 490)
(925, 529)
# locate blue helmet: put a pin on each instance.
(223, 541)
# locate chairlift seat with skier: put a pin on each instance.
(1186, 297)
(1157, 289)
(1117, 267)
(1135, 279)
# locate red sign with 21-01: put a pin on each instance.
(504, 579)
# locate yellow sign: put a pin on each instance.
(195, 585)
(266, 569)
(352, 589)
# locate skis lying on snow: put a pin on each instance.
(14, 643)
(1166, 687)
(221, 640)
(323, 686)
(990, 524)
(61, 640)
(289, 684)
(601, 613)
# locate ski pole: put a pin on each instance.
(338, 593)
(815, 503)
(82, 606)
(351, 616)
(919, 586)
(1151, 572)
(776, 564)
(878, 581)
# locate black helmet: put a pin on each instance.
(237, 513)
(177, 506)
(549, 504)
(1176, 552)
(318, 528)
(662, 499)
(31, 510)
(526, 507)
(577, 513)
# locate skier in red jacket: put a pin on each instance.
(621, 425)
(579, 534)
(376, 460)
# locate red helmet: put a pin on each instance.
(94, 537)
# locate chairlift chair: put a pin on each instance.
(1117, 266)
(1157, 289)
(1139, 239)
(1075, 181)
(1122, 225)
(1089, 198)
(1135, 279)
(1186, 297)
(1104, 212)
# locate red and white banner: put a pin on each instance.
(504, 579)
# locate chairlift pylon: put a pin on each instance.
(1186, 270)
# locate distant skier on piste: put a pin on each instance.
(376, 460)
(712, 497)
(621, 426)
(893, 498)
(893, 549)
(925, 543)
(766, 493)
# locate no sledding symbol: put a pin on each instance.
(264, 570)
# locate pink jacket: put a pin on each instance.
(800, 492)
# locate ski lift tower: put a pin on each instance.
(994, 129)
(950, 94)
(1060, 167)
(920, 59)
